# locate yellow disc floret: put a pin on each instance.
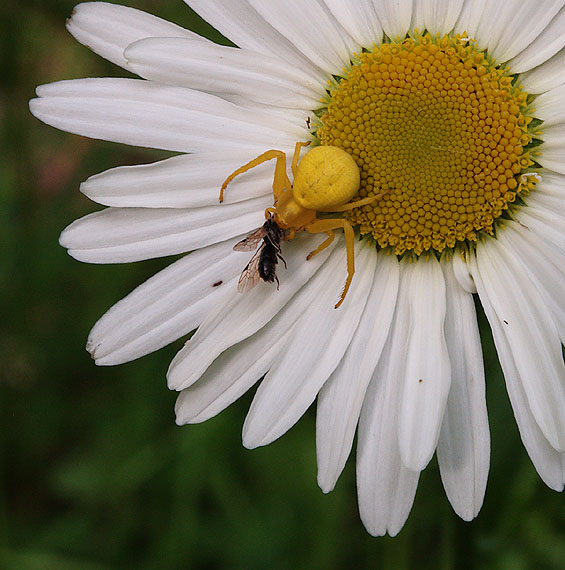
(326, 176)
(442, 129)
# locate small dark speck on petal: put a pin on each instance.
(505, 322)
(217, 283)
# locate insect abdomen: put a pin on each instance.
(268, 263)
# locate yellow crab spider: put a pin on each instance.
(325, 180)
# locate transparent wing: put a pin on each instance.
(250, 242)
(250, 275)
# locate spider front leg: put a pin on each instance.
(280, 180)
(327, 226)
(296, 155)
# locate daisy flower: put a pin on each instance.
(453, 109)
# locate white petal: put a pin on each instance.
(462, 272)
(386, 488)
(121, 235)
(545, 267)
(470, 18)
(359, 19)
(436, 16)
(547, 461)
(185, 181)
(427, 373)
(233, 372)
(546, 224)
(464, 443)
(551, 183)
(341, 397)
(311, 29)
(508, 28)
(239, 22)
(294, 116)
(165, 307)
(553, 149)
(549, 193)
(224, 70)
(546, 76)
(244, 314)
(108, 28)
(546, 45)
(530, 332)
(145, 113)
(550, 107)
(395, 16)
(319, 342)
(553, 134)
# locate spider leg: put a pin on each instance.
(296, 155)
(323, 245)
(280, 181)
(356, 204)
(328, 226)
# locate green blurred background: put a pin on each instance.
(95, 475)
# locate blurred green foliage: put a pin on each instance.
(94, 473)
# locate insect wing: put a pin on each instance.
(250, 242)
(250, 275)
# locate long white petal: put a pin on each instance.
(545, 76)
(359, 19)
(318, 344)
(234, 372)
(545, 266)
(552, 183)
(121, 235)
(506, 29)
(462, 273)
(149, 114)
(547, 461)
(553, 149)
(436, 16)
(244, 314)
(185, 181)
(310, 28)
(241, 23)
(427, 373)
(545, 46)
(550, 105)
(547, 224)
(221, 69)
(463, 449)
(165, 307)
(530, 332)
(386, 488)
(341, 397)
(549, 194)
(470, 18)
(107, 29)
(395, 16)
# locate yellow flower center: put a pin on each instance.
(442, 129)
